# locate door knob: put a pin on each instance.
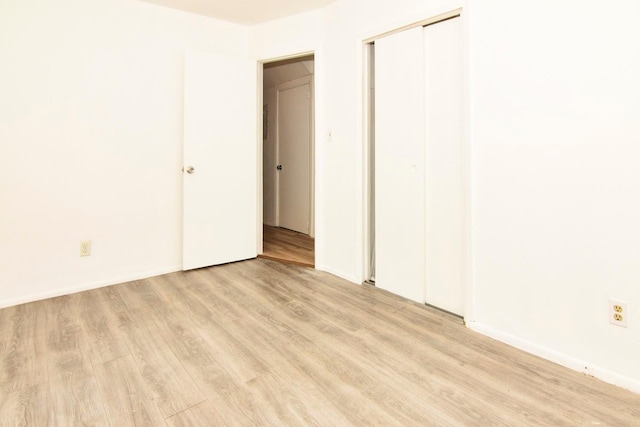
(190, 170)
(279, 167)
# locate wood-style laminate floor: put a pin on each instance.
(288, 246)
(260, 343)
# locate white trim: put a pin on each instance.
(312, 160)
(89, 286)
(366, 156)
(469, 288)
(259, 159)
(286, 57)
(421, 23)
(341, 274)
(319, 127)
(557, 357)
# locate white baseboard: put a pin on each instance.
(88, 286)
(557, 357)
(341, 274)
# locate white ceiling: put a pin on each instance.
(245, 12)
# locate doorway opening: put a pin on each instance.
(288, 161)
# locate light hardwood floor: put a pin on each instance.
(288, 246)
(265, 343)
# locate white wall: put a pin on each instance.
(556, 142)
(91, 140)
(286, 37)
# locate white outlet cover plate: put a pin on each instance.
(612, 312)
(85, 248)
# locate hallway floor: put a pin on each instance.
(288, 246)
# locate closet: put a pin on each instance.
(418, 168)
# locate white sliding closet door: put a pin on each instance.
(444, 166)
(399, 164)
(419, 165)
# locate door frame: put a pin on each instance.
(366, 41)
(259, 142)
(302, 81)
(368, 156)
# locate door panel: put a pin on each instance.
(220, 143)
(445, 195)
(294, 144)
(399, 164)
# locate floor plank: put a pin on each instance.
(74, 398)
(24, 349)
(25, 407)
(169, 384)
(73, 392)
(103, 340)
(127, 400)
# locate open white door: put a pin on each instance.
(294, 162)
(220, 160)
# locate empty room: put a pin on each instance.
(465, 185)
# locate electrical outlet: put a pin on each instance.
(85, 248)
(618, 313)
